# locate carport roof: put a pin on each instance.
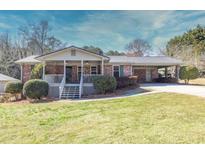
(6, 78)
(30, 59)
(147, 60)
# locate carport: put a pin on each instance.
(151, 68)
(5, 79)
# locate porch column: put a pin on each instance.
(102, 67)
(165, 72)
(64, 69)
(44, 70)
(81, 68)
(81, 77)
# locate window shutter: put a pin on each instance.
(99, 69)
(121, 70)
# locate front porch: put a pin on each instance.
(71, 71)
(61, 75)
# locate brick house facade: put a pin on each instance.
(61, 67)
(108, 70)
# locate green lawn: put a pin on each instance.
(154, 118)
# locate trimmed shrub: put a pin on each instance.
(133, 81)
(187, 73)
(126, 81)
(104, 84)
(165, 80)
(35, 89)
(122, 82)
(14, 87)
(37, 71)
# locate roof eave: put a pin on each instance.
(47, 54)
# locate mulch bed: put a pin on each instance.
(118, 92)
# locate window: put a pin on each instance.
(93, 69)
(116, 71)
(73, 53)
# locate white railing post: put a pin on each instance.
(61, 87)
(64, 68)
(81, 80)
(62, 84)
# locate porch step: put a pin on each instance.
(70, 92)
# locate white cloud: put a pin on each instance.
(111, 29)
(4, 25)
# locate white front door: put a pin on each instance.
(148, 75)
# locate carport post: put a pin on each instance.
(177, 72)
(21, 72)
(165, 72)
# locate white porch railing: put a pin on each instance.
(54, 78)
(61, 87)
(81, 86)
(88, 78)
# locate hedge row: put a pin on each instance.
(165, 80)
(123, 82)
(33, 89)
(104, 84)
(14, 87)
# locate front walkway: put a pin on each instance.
(128, 93)
(152, 88)
(176, 88)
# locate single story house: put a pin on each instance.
(5, 79)
(68, 71)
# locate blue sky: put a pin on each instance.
(109, 30)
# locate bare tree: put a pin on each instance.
(32, 39)
(38, 39)
(138, 47)
(8, 56)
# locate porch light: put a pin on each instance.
(86, 63)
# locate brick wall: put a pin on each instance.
(108, 70)
(26, 72)
(141, 73)
(155, 73)
(54, 69)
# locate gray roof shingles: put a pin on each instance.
(148, 60)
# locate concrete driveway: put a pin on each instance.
(176, 88)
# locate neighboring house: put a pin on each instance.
(62, 69)
(5, 79)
